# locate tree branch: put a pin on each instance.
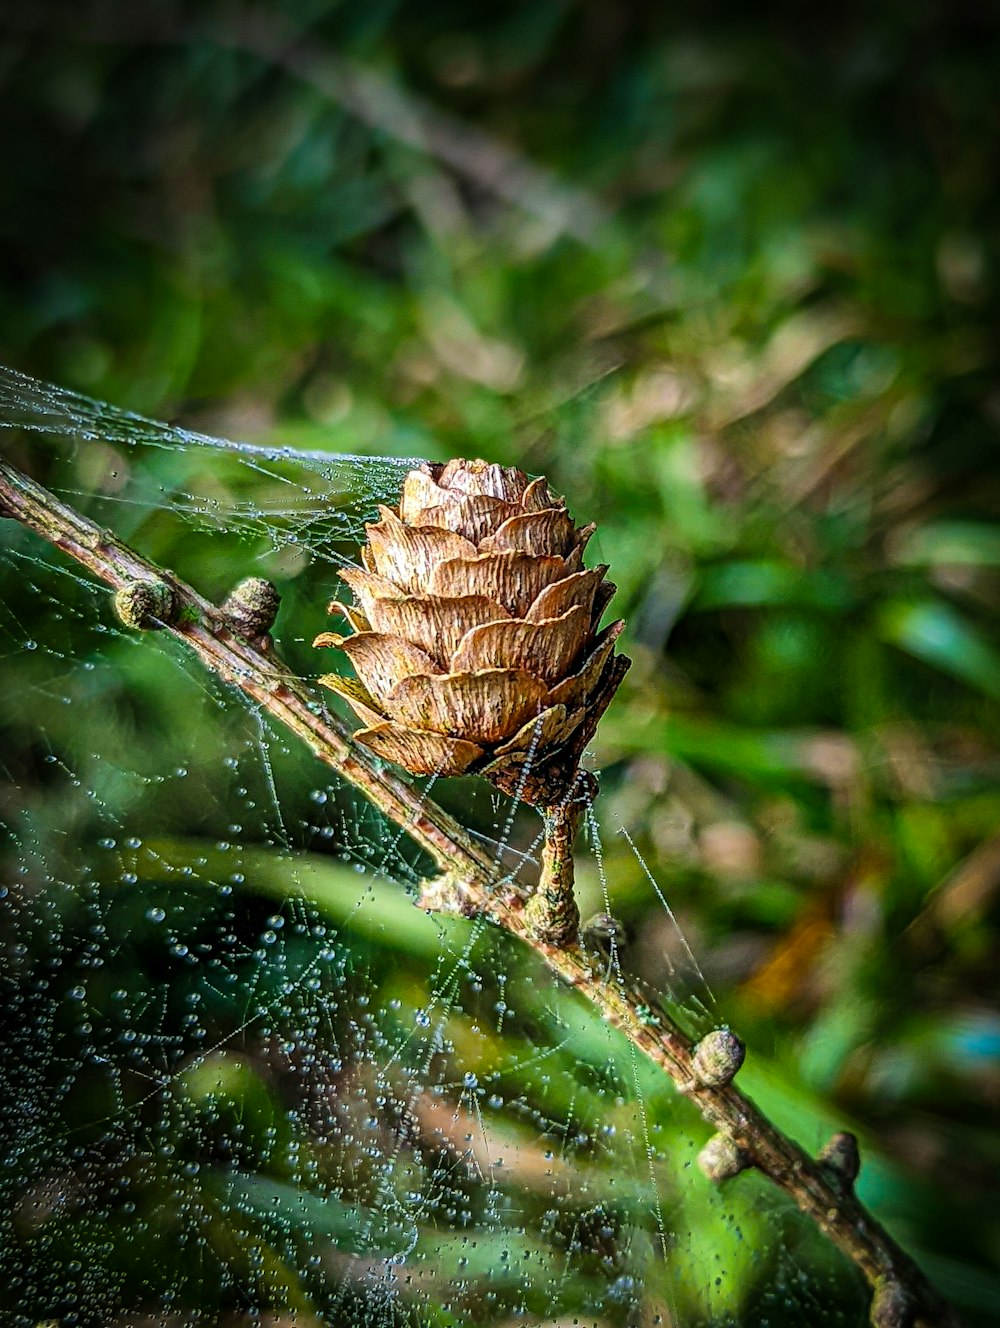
(470, 883)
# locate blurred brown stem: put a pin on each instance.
(470, 884)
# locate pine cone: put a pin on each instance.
(476, 646)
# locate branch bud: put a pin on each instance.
(717, 1058)
(840, 1155)
(146, 606)
(603, 932)
(251, 607)
(721, 1158)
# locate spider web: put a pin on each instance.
(245, 1079)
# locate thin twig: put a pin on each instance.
(471, 884)
(552, 912)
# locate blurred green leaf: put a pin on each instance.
(938, 634)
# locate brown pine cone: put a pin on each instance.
(476, 646)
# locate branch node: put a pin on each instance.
(717, 1059)
(251, 607)
(721, 1158)
(553, 918)
(442, 894)
(893, 1306)
(146, 606)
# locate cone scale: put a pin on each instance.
(476, 642)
